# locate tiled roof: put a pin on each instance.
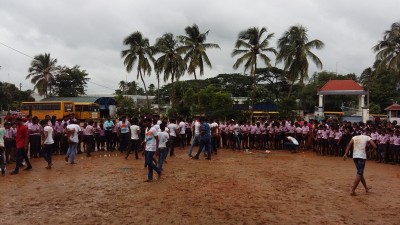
(395, 106)
(341, 85)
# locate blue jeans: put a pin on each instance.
(360, 165)
(196, 141)
(72, 151)
(161, 157)
(150, 165)
(236, 139)
(47, 150)
(290, 146)
(204, 143)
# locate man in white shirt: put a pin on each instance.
(135, 131)
(152, 142)
(172, 137)
(162, 147)
(47, 142)
(182, 131)
(291, 143)
(73, 130)
(359, 157)
(214, 136)
(196, 137)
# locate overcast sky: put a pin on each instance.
(89, 33)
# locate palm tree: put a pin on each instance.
(388, 50)
(170, 62)
(42, 72)
(194, 49)
(252, 46)
(123, 86)
(141, 53)
(294, 51)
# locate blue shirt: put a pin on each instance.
(108, 125)
(205, 130)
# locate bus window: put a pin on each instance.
(68, 107)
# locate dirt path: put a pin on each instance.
(233, 188)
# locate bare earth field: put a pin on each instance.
(233, 188)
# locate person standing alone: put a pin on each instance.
(359, 144)
(22, 141)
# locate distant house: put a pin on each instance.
(393, 112)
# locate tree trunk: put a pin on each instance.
(290, 89)
(195, 78)
(145, 89)
(158, 95)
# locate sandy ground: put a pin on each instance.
(233, 188)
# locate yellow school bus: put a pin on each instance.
(86, 111)
(41, 109)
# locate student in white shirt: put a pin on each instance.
(135, 132)
(152, 142)
(172, 137)
(47, 142)
(359, 157)
(162, 146)
(73, 130)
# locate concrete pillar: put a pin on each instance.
(365, 114)
(321, 101)
(361, 102)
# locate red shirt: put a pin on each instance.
(22, 136)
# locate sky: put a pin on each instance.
(89, 33)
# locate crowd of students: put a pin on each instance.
(66, 136)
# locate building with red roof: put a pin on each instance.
(343, 87)
(393, 112)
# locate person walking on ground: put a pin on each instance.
(205, 140)
(73, 130)
(47, 142)
(151, 148)
(173, 128)
(359, 144)
(162, 147)
(135, 132)
(22, 141)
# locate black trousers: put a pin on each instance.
(34, 143)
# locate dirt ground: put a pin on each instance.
(232, 188)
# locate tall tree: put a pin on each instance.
(170, 62)
(251, 45)
(294, 51)
(70, 82)
(194, 48)
(42, 72)
(388, 50)
(141, 53)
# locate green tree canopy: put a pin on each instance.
(70, 82)
(141, 53)
(294, 51)
(42, 71)
(194, 48)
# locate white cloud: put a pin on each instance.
(90, 33)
